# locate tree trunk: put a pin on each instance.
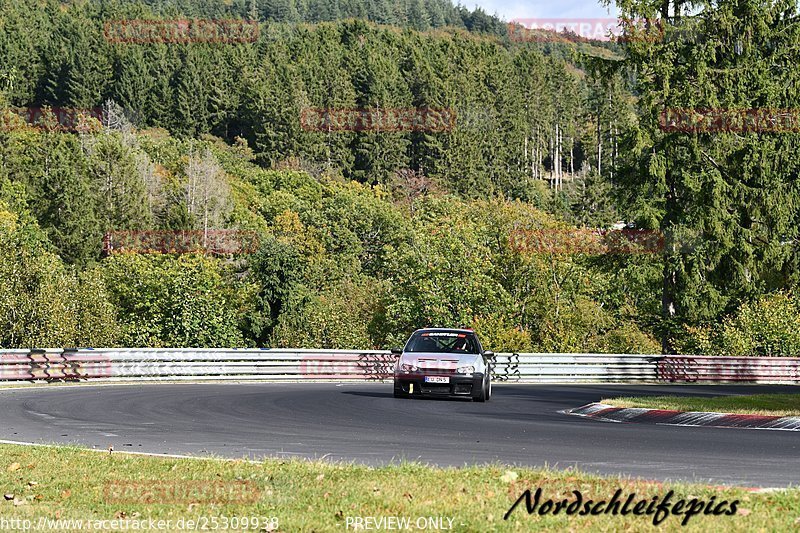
(535, 163)
(572, 158)
(599, 147)
(552, 161)
(668, 306)
(669, 288)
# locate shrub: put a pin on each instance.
(43, 303)
(767, 327)
(185, 301)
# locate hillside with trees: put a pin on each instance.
(339, 263)
(366, 235)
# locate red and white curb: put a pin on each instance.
(609, 413)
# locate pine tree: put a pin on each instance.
(322, 67)
(64, 199)
(418, 16)
(725, 201)
(192, 87)
(89, 69)
(120, 189)
(378, 84)
(135, 84)
(163, 66)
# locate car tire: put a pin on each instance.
(483, 396)
(398, 393)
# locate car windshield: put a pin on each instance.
(442, 342)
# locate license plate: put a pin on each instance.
(436, 379)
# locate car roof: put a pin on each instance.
(458, 330)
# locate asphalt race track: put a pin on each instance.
(364, 423)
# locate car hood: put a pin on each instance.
(448, 361)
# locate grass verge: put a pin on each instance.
(65, 483)
(756, 404)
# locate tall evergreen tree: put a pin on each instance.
(725, 200)
(118, 185)
(64, 199)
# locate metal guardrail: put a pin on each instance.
(344, 365)
(561, 367)
(698, 369)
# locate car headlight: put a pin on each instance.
(407, 368)
(465, 369)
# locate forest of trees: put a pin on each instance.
(523, 113)
(420, 15)
(364, 235)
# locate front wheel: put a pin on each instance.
(398, 392)
(485, 393)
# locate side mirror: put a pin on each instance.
(397, 351)
(488, 354)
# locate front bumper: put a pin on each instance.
(459, 385)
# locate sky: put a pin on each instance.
(512, 9)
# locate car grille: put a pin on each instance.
(436, 388)
(462, 388)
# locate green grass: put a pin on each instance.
(64, 482)
(756, 404)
